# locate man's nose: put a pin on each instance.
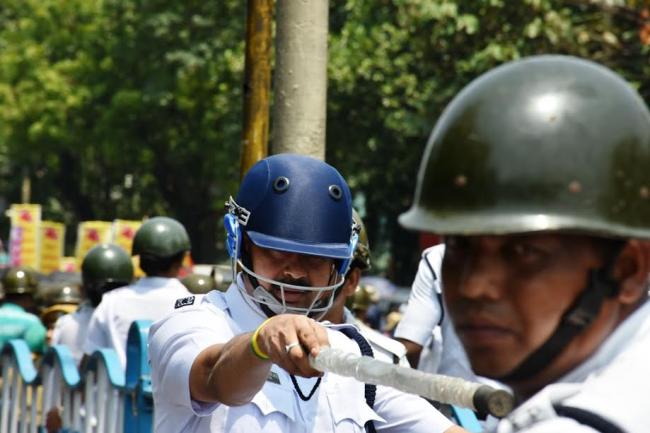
(294, 266)
(483, 273)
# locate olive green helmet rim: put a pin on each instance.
(546, 143)
(512, 223)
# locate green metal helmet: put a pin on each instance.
(545, 143)
(199, 284)
(61, 294)
(106, 263)
(19, 280)
(362, 250)
(160, 237)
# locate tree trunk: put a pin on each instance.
(300, 91)
(257, 82)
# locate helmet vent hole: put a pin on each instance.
(335, 192)
(281, 184)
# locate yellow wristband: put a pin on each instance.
(254, 347)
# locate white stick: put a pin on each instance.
(444, 389)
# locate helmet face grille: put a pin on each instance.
(259, 296)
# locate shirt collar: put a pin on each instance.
(348, 317)
(157, 282)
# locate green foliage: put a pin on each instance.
(130, 108)
(124, 109)
(395, 64)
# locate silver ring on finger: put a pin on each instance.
(290, 346)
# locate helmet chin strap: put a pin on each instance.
(577, 318)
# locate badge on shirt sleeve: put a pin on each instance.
(184, 302)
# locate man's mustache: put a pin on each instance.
(293, 282)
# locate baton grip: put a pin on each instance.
(492, 401)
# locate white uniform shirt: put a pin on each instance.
(424, 322)
(149, 298)
(384, 348)
(612, 383)
(337, 405)
(71, 330)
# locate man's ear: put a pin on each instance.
(246, 244)
(632, 269)
(351, 281)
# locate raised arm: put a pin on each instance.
(232, 373)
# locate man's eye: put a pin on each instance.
(527, 251)
(455, 243)
(315, 261)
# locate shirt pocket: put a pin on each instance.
(272, 410)
(275, 398)
(350, 415)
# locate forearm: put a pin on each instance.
(233, 373)
(413, 351)
(228, 373)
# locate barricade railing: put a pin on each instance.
(101, 397)
(138, 410)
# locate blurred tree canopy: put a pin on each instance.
(395, 64)
(124, 109)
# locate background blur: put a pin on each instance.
(117, 109)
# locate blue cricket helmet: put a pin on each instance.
(297, 204)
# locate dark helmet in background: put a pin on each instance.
(63, 294)
(105, 267)
(199, 284)
(160, 237)
(19, 280)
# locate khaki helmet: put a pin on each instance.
(392, 320)
(362, 250)
(364, 296)
(19, 280)
(544, 143)
(51, 314)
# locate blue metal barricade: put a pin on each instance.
(103, 393)
(95, 399)
(60, 389)
(138, 400)
(19, 380)
(102, 397)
